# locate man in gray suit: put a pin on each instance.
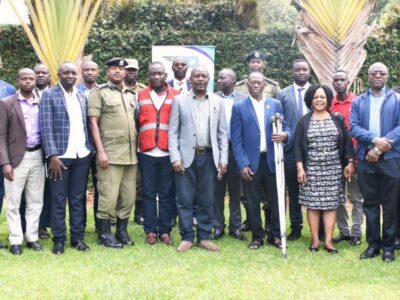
(292, 99)
(226, 83)
(198, 147)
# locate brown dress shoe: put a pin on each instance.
(184, 246)
(166, 239)
(206, 244)
(151, 238)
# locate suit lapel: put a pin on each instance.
(252, 112)
(192, 109)
(213, 108)
(18, 109)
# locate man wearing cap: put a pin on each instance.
(131, 76)
(111, 112)
(256, 62)
(132, 72)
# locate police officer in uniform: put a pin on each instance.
(111, 112)
(256, 62)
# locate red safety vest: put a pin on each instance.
(153, 123)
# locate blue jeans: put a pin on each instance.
(157, 179)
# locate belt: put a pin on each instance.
(33, 148)
(203, 150)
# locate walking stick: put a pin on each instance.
(280, 180)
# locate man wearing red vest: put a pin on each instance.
(154, 163)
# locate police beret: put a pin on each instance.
(116, 61)
(255, 54)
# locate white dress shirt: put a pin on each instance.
(228, 103)
(296, 94)
(77, 139)
(259, 107)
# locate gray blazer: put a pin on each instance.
(182, 130)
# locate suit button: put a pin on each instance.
(194, 134)
(193, 147)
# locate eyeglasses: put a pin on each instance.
(376, 73)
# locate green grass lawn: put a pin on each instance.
(159, 272)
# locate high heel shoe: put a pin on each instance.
(313, 249)
(331, 250)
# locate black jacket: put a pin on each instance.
(346, 150)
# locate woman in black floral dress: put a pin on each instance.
(324, 153)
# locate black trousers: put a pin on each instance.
(263, 183)
(71, 187)
(93, 169)
(379, 185)
(231, 179)
(196, 188)
(296, 217)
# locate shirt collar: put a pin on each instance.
(231, 95)
(196, 98)
(305, 87)
(22, 98)
(74, 90)
(382, 92)
(335, 100)
(256, 101)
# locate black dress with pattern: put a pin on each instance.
(324, 189)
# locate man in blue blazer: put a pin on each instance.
(252, 144)
(68, 148)
(292, 99)
(375, 124)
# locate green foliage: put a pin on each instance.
(215, 25)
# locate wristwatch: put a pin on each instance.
(377, 150)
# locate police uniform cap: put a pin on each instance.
(255, 54)
(132, 63)
(116, 61)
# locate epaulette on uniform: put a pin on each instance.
(271, 81)
(102, 86)
(241, 82)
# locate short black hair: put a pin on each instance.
(309, 95)
(299, 60)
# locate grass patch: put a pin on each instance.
(159, 272)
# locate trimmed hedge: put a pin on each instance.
(133, 35)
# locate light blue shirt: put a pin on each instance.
(375, 112)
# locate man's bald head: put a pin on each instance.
(90, 72)
(199, 77)
(43, 76)
(226, 81)
(67, 74)
(25, 71)
(256, 84)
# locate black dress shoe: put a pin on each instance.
(331, 250)
(218, 233)
(341, 238)
(274, 241)
(43, 234)
(80, 245)
(237, 234)
(313, 249)
(138, 220)
(35, 246)
(388, 256)
(355, 241)
(58, 248)
(16, 249)
(245, 226)
(294, 235)
(397, 244)
(255, 245)
(369, 253)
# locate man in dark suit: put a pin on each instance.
(21, 161)
(374, 123)
(226, 83)
(198, 147)
(252, 144)
(180, 68)
(292, 99)
(63, 110)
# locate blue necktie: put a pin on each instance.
(300, 101)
